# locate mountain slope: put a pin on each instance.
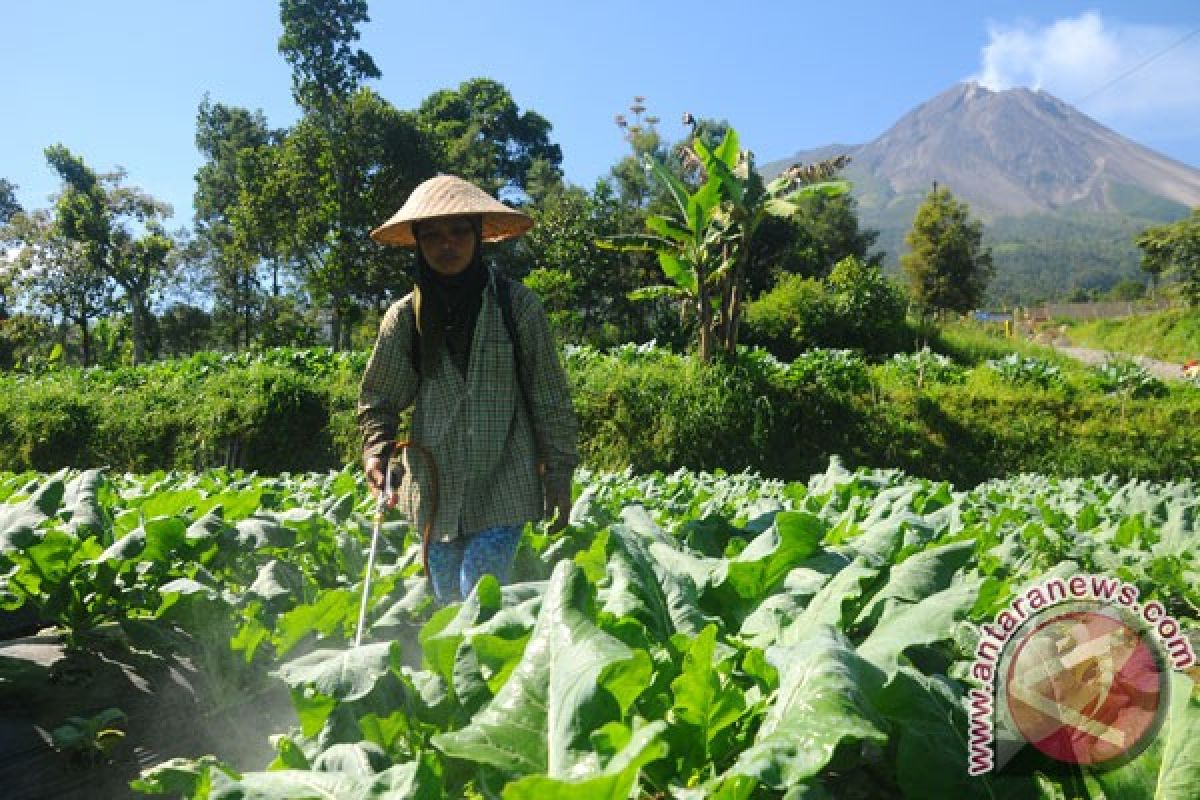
(1060, 194)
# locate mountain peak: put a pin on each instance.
(1018, 151)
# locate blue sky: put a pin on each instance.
(119, 81)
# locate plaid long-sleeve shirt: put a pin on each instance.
(488, 448)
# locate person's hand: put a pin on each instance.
(558, 508)
(375, 468)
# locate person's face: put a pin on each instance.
(448, 243)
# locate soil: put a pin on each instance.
(172, 708)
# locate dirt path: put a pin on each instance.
(1164, 370)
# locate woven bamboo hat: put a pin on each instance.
(451, 196)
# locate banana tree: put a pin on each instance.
(704, 248)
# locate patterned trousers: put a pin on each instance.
(456, 566)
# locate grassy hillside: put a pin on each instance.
(1172, 335)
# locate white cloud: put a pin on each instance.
(1154, 77)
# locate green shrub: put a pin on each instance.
(266, 418)
(639, 405)
(855, 307)
(925, 366)
(1122, 376)
(1028, 370)
(788, 319)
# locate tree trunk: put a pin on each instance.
(85, 341)
(731, 325)
(705, 317)
(138, 327)
(335, 327)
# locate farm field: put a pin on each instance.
(690, 635)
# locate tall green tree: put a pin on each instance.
(1174, 249)
(343, 166)
(320, 225)
(232, 140)
(120, 232)
(948, 266)
(824, 232)
(486, 138)
(585, 288)
(318, 44)
(56, 275)
(8, 201)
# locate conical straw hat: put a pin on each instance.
(451, 196)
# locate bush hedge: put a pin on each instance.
(640, 407)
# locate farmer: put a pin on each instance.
(493, 432)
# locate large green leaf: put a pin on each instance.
(82, 501)
(169, 503)
(761, 567)
(19, 521)
(934, 619)
(720, 164)
(834, 605)
(728, 150)
(705, 697)
(930, 727)
(677, 269)
(700, 207)
(257, 532)
(669, 228)
(614, 782)
(334, 611)
(664, 601)
(542, 717)
(209, 527)
(914, 579)
(410, 781)
(277, 579)
(679, 192)
(819, 705)
(343, 675)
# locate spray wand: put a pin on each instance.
(382, 503)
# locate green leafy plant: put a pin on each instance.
(1028, 370)
(89, 739)
(691, 635)
(704, 248)
(925, 366)
(1128, 379)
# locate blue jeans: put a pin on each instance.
(456, 566)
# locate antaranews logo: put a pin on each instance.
(1077, 668)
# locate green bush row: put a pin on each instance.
(641, 407)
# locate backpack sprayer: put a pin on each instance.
(383, 501)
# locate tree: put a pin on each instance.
(1174, 249)
(349, 156)
(320, 225)
(8, 201)
(185, 329)
(57, 275)
(585, 288)
(317, 43)
(948, 267)
(486, 138)
(120, 233)
(704, 247)
(824, 231)
(232, 141)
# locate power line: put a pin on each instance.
(1135, 68)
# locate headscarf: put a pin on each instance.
(447, 306)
